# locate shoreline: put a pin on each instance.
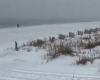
(27, 25)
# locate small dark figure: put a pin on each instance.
(17, 25)
(16, 46)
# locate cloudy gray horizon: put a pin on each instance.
(14, 11)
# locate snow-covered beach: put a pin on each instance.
(23, 65)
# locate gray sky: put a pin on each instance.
(14, 10)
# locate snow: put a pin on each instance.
(23, 65)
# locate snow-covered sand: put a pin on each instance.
(23, 65)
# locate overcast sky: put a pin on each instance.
(48, 9)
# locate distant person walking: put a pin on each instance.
(17, 25)
(16, 46)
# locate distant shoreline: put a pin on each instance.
(49, 23)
